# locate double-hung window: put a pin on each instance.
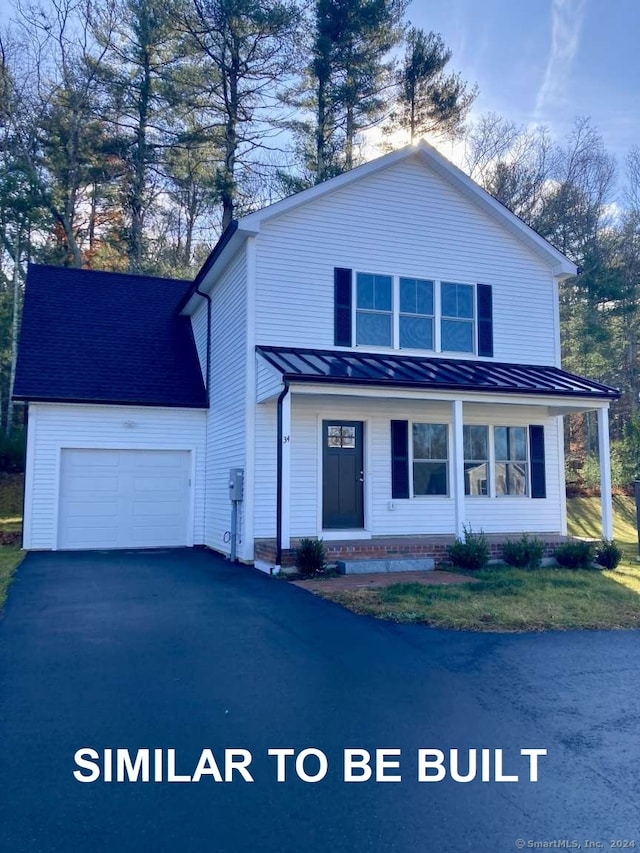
(476, 460)
(430, 459)
(416, 314)
(374, 310)
(457, 320)
(511, 465)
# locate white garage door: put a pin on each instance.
(124, 498)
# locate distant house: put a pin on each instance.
(379, 354)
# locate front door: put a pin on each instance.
(342, 475)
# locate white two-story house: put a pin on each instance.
(379, 355)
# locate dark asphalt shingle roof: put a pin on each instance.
(106, 338)
(404, 371)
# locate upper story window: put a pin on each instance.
(416, 314)
(457, 324)
(374, 310)
(419, 314)
(399, 312)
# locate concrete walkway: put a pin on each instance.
(381, 579)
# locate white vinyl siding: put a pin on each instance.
(268, 381)
(384, 516)
(199, 328)
(404, 221)
(54, 427)
(226, 419)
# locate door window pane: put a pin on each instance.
(341, 436)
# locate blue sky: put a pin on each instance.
(547, 61)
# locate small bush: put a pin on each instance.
(472, 553)
(12, 452)
(608, 554)
(574, 555)
(523, 553)
(310, 557)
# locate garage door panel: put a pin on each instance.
(92, 509)
(124, 498)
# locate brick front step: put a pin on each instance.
(393, 548)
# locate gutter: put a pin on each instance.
(281, 397)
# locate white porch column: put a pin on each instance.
(285, 496)
(457, 468)
(605, 473)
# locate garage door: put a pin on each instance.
(124, 498)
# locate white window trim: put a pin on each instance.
(395, 314)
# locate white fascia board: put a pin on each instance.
(552, 402)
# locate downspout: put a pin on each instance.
(208, 362)
(281, 397)
(208, 396)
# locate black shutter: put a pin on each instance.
(399, 459)
(536, 455)
(485, 319)
(342, 307)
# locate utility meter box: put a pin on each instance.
(236, 484)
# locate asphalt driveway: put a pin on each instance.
(181, 650)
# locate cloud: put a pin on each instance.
(566, 22)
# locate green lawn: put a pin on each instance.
(506, 599)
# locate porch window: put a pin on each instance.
(374, 310)
(416, 314)
(457, 324)
(430, 459)
(511, 466)
(476, 460)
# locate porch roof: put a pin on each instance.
(404, 371)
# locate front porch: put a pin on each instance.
(393, 548)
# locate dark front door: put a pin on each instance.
(342, 475)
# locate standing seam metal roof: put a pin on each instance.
(361, 368)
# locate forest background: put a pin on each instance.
(132, 132)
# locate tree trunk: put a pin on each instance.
(14, 332)
(140, 169)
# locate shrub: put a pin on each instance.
(574, 555)
(523, 553)
(12, 452)
(472, 553)
(608, 554)
(590, 472)
(310, 557)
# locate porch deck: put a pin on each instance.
(396, 547)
